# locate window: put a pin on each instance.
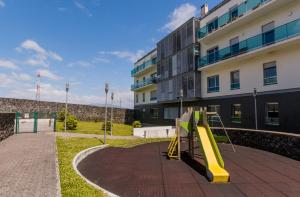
(213, 108)
(144, 97)
(213, 54)
(191, 83)
(213, 120)
(234, 46)
(235, 80)
(212, 26)
(171, 113)
(233, 13)
(270, 73)
(236, 113)
(144, 81)
(213, 84)
(154, 112)
(136, 98)
(268, 33)
(153, 96)
(272, 114)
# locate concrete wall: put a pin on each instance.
(7, 123)
(154, 132)
(82, 112)
(286, 145)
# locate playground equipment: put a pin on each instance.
(194, 124)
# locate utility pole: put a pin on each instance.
(111, 113)
(255, 107)
(38, 90)
(105, 121)
(66, 107)
(181, 98)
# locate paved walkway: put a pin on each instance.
(63, 134)
(28, 166)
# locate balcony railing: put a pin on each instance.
(276, 35)
(235, 86)
(149, 81)
(230, 16)
(143, 66)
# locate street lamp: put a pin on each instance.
(66, 108)
(111, 113)
(181, 98)
(105, 121)
(255, 107)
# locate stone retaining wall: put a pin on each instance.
(82, 112)
(279, 143)
(7, 123)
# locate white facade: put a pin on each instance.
(250, 65)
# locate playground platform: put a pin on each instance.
(146, 171)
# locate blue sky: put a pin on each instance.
(84, 42)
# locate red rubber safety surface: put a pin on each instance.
(146, 171)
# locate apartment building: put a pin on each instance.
(247, 56)
(145, 87)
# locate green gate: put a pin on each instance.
(33, 122)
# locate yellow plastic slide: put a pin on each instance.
(215, 170)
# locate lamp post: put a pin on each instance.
(181, 98)
(111, 113)
(255, 107)
(66, 107)
(105, 121)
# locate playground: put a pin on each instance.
(192, 164)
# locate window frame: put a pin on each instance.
(268, 120)
(234, 118)
(268, 79)
(238, 84)
(215, 88)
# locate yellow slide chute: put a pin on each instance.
(215, 168)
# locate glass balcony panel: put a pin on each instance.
(235, 86)
(223, 20)
(227, 17)
(261, 40)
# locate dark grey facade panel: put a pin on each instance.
(289, 108)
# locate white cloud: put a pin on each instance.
(5, 81)
(83, 8)
(21, 76)
(7, 64)
(80, 63)
(62, 9)
(131, 56)
(2, 3)
(48, 74)
(40, 55)
(179, 16)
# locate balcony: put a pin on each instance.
(143, 67)
(143, 84)
(267, 39)
(231, 16)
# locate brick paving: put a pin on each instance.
(28, 166)
(145, 171)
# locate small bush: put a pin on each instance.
(108, 126)
(71, 122)
(61, 115)
(136, 124)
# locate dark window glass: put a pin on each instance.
(144, 97)
(212, 25)
(268, 33)
(213, 54)
(213, 84)
(233, 13)
(272, 114)
(235, 80)
(270, 73)
(236, 113)
(154, 112)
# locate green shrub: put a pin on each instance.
(71, 122)
(61, 115)
(108, 126)
(136, 124)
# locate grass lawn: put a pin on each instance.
(96, 128)
(71, 183)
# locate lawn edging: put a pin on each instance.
(82, 155)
